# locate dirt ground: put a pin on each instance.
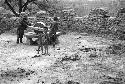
(93, 66)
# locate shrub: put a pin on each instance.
(8, 24)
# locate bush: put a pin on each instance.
(8, 24)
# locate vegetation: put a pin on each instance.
(90, 22)
(31, 7)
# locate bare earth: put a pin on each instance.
(17, 65)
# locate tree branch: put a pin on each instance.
(6, 1)
(39, 6)
(20, 6)
(25, 5)
(42, 6)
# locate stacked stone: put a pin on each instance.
(96, 19)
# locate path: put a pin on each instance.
(19, 56)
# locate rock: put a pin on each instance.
(53, 83)
(36, 56)
(85, 49)
(117, 47)
(28, 79)
(107, 82)
(43, 82)
(79, 42)
(58, 48)
(20, 70)
(12, 80)
(110, 82)
(75, 57)
(72, 82)
(66, 58)
(27, 73)
(93, 55)
(8, 41)
(78, 37)
(57, 82)
(77, 83)
(32, 72)
(113, 80)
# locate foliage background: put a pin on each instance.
(81, 7)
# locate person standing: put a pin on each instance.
(20, 30)
(40, 44)
(54, 29)
(43, 41)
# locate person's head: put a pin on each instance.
(55, 19)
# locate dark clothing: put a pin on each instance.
(23, 24)
(20, 30)
(53, 38)
(45, 39)
(19, 40)
(54, 28)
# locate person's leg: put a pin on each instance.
(21, 35)
(46, 48)
(42, 47)
(54, 40)
(53, 44)
(17, 36)
(21, 40)
(38, 48)
(17, 39)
